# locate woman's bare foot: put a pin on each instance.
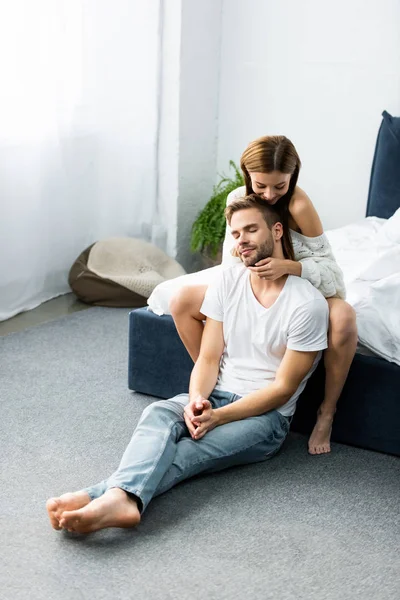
(115, 508)
(319, 442)
(71, 501)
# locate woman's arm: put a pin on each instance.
(307, 222)
(313, 250)
(314, 259)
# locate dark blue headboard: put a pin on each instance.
(384, 187)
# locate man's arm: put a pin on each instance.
(205, 371)
(294, 367)
(204, 375)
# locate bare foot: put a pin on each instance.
(71, 501)
(115, 508)
(319, 442)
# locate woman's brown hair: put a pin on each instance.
(274, 153)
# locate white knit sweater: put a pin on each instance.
(318, 265)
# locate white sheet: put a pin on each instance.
(159, 299)
(368, 252)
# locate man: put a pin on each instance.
(262, 340)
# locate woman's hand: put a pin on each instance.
(271, 268)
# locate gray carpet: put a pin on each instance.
(323, 528)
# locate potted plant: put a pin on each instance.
(208, 230)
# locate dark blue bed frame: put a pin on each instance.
(368, 413)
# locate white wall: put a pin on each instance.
(168, 135)
(187, 156)
(198, 116)
(320, 73)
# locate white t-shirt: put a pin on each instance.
(256, 338)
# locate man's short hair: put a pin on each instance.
(269, 213)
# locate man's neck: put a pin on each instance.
(268, 285)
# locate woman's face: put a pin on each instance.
(270, 186)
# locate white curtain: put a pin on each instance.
(78, 136)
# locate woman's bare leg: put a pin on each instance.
(185, 308)
(342, 343)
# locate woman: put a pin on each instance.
(271, 168)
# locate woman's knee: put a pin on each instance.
(180, 301)
(342, 322)
(187, 301)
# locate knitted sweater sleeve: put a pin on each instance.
(318, 264)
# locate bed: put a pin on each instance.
(368, 413)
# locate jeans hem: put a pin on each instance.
(90, 494)
(128, 490)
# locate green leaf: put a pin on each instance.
(208, 230)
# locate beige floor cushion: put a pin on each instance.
(121, 272)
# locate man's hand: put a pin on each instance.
(196, 408)
(205, 422)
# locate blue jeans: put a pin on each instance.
(161, 452)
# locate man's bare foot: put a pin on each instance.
(71, 501)
(319, 442)
(115, 508)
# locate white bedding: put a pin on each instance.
(368, 252)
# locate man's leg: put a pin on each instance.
(72, 501)
(241, 442)
(56, 506)
(117, 502)
(153, 463)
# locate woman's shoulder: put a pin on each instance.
(304, 217)
(236, 194)
(299, 202)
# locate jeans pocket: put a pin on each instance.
(283, 426)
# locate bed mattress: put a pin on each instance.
(369, 254)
